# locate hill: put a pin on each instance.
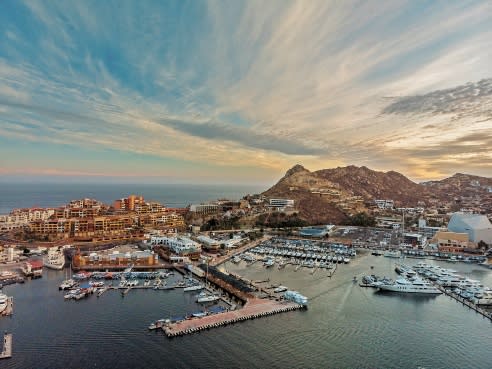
(333, 195)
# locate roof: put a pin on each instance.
(36, 263)
(474, 221)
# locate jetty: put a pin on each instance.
(465, 302)
(254, 308)
(7, 346)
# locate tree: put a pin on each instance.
(482, 245)
(362, 220)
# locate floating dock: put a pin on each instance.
(465, 302)
(254, 308)
(7, 346)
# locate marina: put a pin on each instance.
(338, 308)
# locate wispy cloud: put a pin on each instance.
(252, 84)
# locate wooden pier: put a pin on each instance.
(7, 346)
(465, 302)
(254, 308)
(9, 310)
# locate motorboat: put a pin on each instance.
(208, 298)
(4, 299)
(196, 287)
(55, 259)
(280, 289)
(410, 286)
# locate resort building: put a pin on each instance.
(210, 208)
(177, 245)
(451, 242)
(281, 203)
(137, 258)
(209, 244)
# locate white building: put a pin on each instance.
(208, 242)
(281, 203)
(385, 204)
(178, 245)
(477, 226)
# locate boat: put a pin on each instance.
(296, 297)
(67, 284)
(157, 324)
(280, 289)
(346, 260)
(236, 259)
(207, 298)
(392, 254)
(404, 285)
(4, 299)
(196, 287)
(200, 314)
(55, 259)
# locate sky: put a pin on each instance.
(240, 91)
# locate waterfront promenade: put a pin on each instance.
(254, 308)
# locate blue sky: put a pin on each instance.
(238, 92)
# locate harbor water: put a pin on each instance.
(345, 326)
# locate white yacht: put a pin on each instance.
(207, 298)
(392, 254)
(55, 259)
(3, 302)
(195, 287)
(414, 286)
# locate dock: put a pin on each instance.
(465, 302)
(7, 346)
(254, 308)
(9, 310)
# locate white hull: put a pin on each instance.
(4, 302)
(193, 288)
(54, 266)
(208, 299)
(410, 289)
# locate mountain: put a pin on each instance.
(333, 195)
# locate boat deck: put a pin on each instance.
(254, 308)
(10, 307)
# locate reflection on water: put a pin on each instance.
(344, 326)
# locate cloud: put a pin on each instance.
(253, 84)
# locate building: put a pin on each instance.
(385, 204)
(209, 244)
(210, 208)
(281, 203)
(414, 239)
(123, 259)
(477, 226)
(177, 245)
(451, 242)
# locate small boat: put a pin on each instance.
(280, 289)
(196, 287)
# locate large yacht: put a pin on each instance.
(3, 302)
(416, 285)
(55, 259)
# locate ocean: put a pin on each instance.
(345, 326)
(25, 195)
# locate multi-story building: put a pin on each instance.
(178, 245)
(451, 242)
(281, 203)
(210, 208)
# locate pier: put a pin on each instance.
(465, 302)
(7, 346)
(254, 308)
